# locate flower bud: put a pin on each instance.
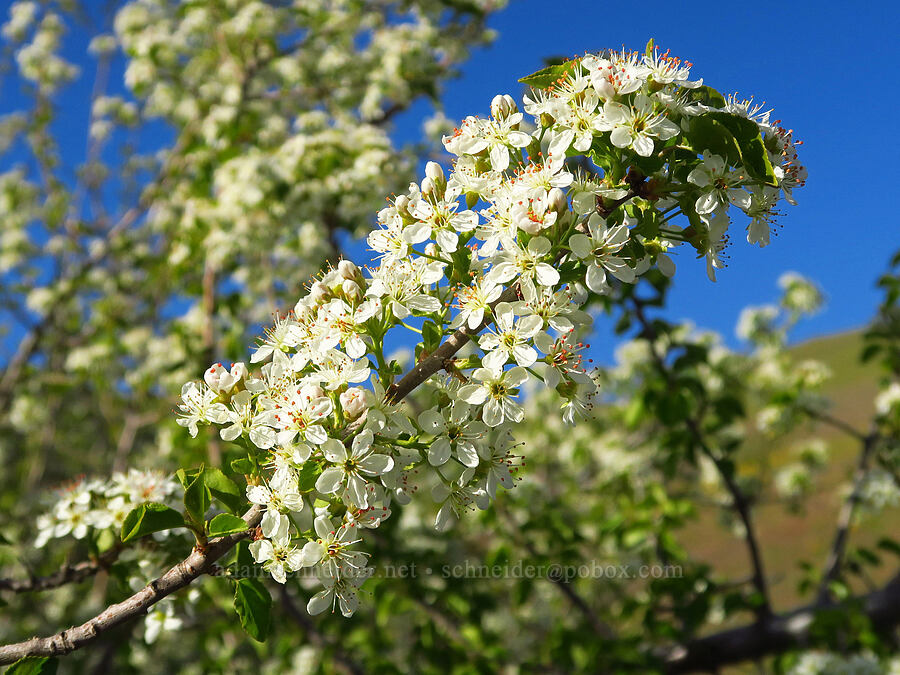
(434, 171)
(319, 293)
(223, 381)
(557, 201)
(351, 290)
(502, 106)
(214, 376)
(401, 203)
(304, 307)
(354, 401)
(431, 249)
(239, 371)
(348, 270)
(428, 186)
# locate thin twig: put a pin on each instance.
(67, 574)
(845, 518)
(601, 628)
(341, 659)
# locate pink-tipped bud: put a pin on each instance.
(354, 401)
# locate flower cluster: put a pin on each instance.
(101, 504)
(512, 242)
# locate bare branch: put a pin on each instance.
(837, 423)
(779, 633)
(435, 361)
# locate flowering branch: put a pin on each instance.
(662, 145)
(326, 456)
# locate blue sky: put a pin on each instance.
(827, 68)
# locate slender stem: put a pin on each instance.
(837, 423)
(432, 257)
(845, 518)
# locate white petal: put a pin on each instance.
(262, 550)
(330, 480)
(472, 393)
(493, 413)
(320, 602)
(334, 451)
(439, 452)
(516, 377)
(311, 553)
(376, 464)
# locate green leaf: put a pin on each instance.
(549, 75)
(34, 665)
(186, 477)
(197, 499)
(707, 96)
(756, 161)
(648, 50)
(743, 129)
(150, 517)
(461, 259)
(749, 138)
(707, 134)
(243, 466)
(224, 489)
(431, 336)
(307, 476)
(225, 523)
(253, 604)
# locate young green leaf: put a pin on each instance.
(547, 76)
(34, 665)
(197, 499)
(225, 523)
(253, 604)
(224, 489)
(150, 517)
